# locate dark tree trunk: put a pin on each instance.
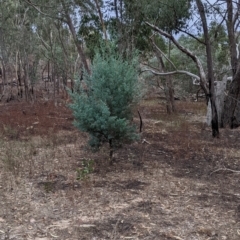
(54, 81)
(231, 36)
(3, 76)
(231, 110)
(20, 90)
(110, 151)
(212, 97)
(116, 9)
(26, 85)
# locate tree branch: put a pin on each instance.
(173, 73)
(45, 14)
(203, 79)
(191, 35)
(161, 52)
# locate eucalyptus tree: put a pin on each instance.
(220, 56)
(210, 74)
(205, 75)
(67, 12)
(132, 32)
(127, 27)
(224, 13)
(5, 34)
(18, 42)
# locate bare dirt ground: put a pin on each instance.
(176, 183)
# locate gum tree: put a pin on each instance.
(206, 79)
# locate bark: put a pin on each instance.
(116, 9)
(231, 37)
(110, 151)
(212, 96)
(26, 85)
(231, 111)
(141, 122)
(170, 96)
(169, 88)
(54, 81)
(3, 76)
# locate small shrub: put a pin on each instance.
(87, 168)
(102, 104)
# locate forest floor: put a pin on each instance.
(176, 183)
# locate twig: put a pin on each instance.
(175, 237)
(225, 169)
(145, 141)
(141, 123)
(114, 233)
(57, 117)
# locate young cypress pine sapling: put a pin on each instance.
(103, 107)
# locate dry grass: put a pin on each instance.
(163, 188)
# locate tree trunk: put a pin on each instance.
(212, 95)
(231, 36)
(116, 9)
(3, 76)
(75, 39)
(101, 19)
(169, 85)
(168, 88)
(231, 111)
(110, 152)
(26, 85)
(169, 92)
(54, 81)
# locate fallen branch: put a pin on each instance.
(141, 123)
(57, 117)
(224, 169)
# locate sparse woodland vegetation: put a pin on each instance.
(103, 127)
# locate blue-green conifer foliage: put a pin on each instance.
(102, 103)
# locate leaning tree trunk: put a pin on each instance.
(78, 45)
